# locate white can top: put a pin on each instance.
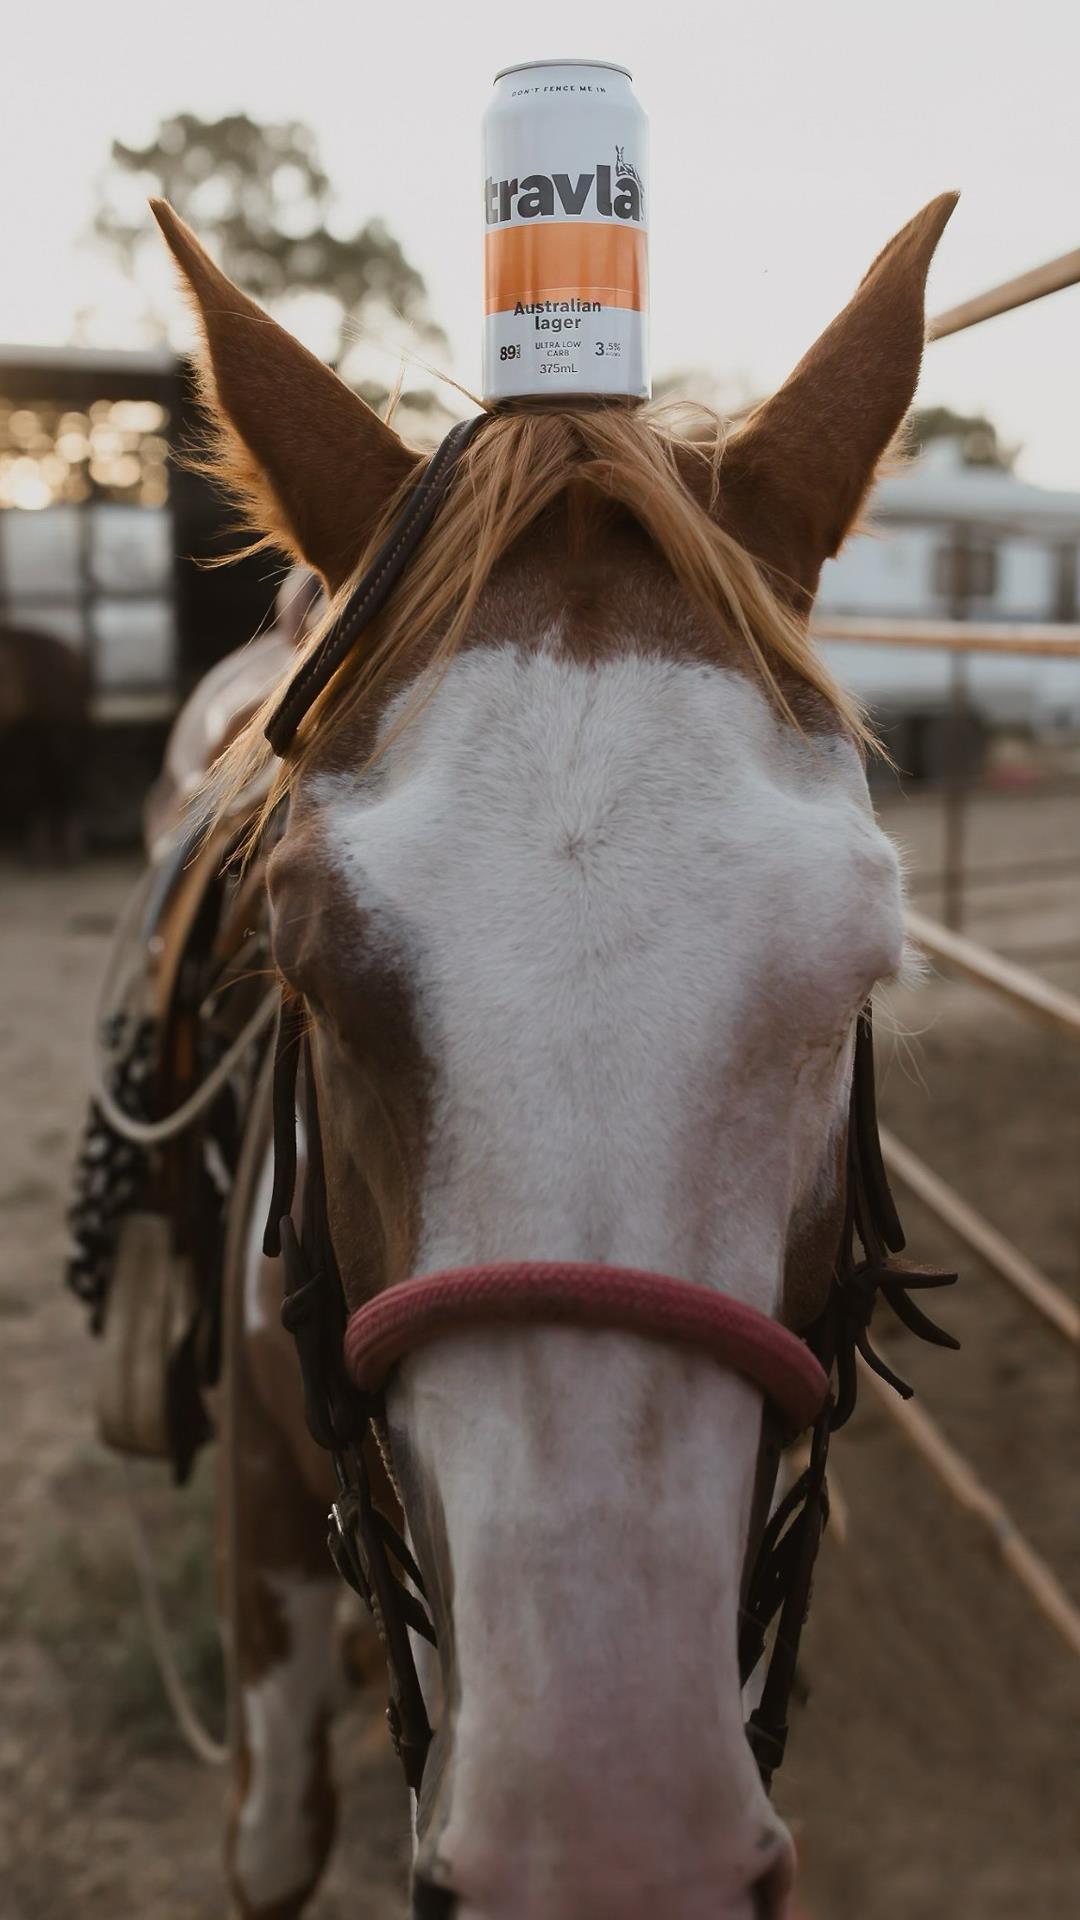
(528, 66)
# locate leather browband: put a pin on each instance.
(372, 591)
(580, 1294)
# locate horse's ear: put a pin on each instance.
(794, 477)
(309, 463)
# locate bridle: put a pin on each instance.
(808, 1381)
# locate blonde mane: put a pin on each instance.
(638, 458)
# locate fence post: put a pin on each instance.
(956, 789)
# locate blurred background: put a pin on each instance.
(328, 156)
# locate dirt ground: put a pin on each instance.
(933, 1772)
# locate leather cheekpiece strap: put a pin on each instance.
(288, 1046)
(372, 591)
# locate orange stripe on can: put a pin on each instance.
(565, 260)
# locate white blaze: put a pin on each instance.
(637, 914)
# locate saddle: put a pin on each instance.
(179, 1046)
(150, 1200)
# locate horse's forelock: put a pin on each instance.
(661, 468)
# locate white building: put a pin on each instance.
(950, 541)
(1021, 545)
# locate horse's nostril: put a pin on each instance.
(762, 1900)
(764, 1904)
(430, 1902)
(771, 1896)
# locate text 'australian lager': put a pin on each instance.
(565, 233)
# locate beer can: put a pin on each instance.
(565, 233)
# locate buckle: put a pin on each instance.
(347, 1553)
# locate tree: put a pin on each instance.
(258, 195)
(980, 443)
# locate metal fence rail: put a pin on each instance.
(1047, 640)
(1052, 1005)
(1025, 1279)
(1026, 992)
(964, 1486)
(1053, 277)
(960, 639)
(1060, 1011)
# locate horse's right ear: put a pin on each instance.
(309, 463)
(795, 476)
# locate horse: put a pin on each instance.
(577, 897)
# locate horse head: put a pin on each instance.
(582, 893)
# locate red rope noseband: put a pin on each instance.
(577, 1293)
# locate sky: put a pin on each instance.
(790, 138)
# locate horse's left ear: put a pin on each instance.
(795, 476)
(310, 464)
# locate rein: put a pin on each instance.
(373, 590)
(808, 1382)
